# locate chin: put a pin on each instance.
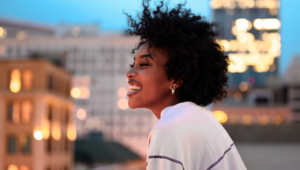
(134, 104)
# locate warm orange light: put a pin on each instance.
(278, 119)
(12, 167)
(56, 131)
(26, 111)
(75, 92)
(247, 119)
(45, 129)
(15, 81)
(38, 135)
(16, 112)
(237, 97)
(242, 24)
(244, 86)
(81, 114)
(84, 92)
(221, 116)
(24, 167)
(264, 119)
(123, 104)
(27, 77)
(71, 132)
(3, 32)
(122, 92)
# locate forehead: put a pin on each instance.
(156, 53)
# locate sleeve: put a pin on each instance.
(159, 162)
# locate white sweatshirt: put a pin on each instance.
(188, 137)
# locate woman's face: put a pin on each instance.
(148, 82)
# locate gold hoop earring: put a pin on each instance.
(173, 90)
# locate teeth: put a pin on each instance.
(133, 87)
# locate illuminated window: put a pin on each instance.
(24, 167)
(12, 144)
(26, 111)
(12, 167)
(27, 77)
(15, 81)
(24, 141)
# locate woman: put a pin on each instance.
(178, 68)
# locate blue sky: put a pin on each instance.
(109, 13)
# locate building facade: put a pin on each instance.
(99, 85)
(36, 127)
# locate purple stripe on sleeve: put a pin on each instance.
(165, 157)
(214, 164)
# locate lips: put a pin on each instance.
(134, 87)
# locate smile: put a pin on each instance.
(133, 89)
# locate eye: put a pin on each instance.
(131, 65)
(144, 64)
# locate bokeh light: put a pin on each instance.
(81, 114)
(122, 92)
(75, 93)
(244, 86)
(247, 119)
(221, 116)
(56, 130)
(123, 104)
(15, 81)
(13, 167)
(38, 135)
(237, 97)
(24, 167)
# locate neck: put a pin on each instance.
(161, 105)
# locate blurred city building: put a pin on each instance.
(36, 127)
(23, 30)
(77, 30)
(249, 35)
(99, 87)
(292, 81)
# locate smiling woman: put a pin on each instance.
(178, 68)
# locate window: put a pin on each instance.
(48, 145)
(50, 82)
(15, 81)
(24, 141)
(26, 111)
(50, 110)
(19, 111)
(12, 144)
(13, 111)
(27, 77)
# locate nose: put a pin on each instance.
(131, 73)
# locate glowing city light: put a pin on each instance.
(244, 86)
(264, 119)
(258, 24)
(81, 114)
(122, 92)
(3, 32)
(84, 92)
(243, 4)
(21, 35)
(242, 24)
(75, 93)
(221, 116)
(12, 167)
(56, 131)
(71, 132)
(38, 135)
(24, 167)
(247, 119)
(237, 97)
(278, 119)
(15, 81)
(45, 129)
(123, 104)
(27, 77)
(267, 24)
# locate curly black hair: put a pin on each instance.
(194, 55)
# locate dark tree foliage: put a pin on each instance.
(194, 56)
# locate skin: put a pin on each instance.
(149, 72)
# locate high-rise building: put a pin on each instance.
(249, 35)
(36, 125)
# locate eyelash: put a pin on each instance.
(142, 64)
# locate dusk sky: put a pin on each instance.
(111, 18)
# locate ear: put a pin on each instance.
(175, 84)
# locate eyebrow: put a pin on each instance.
(145, 55)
